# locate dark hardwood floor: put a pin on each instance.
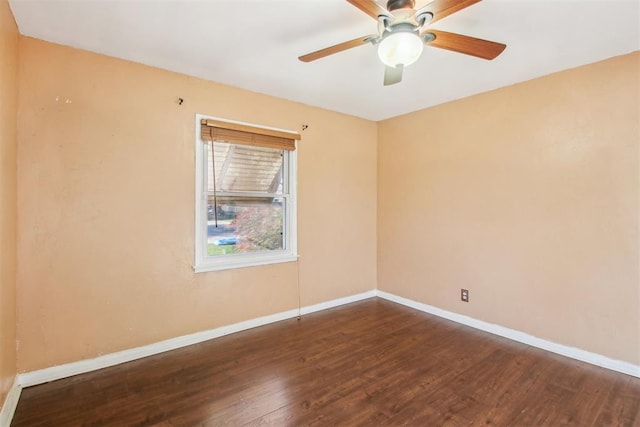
(372, 363)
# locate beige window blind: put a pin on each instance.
(234, 133)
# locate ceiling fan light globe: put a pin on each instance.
(403, 48)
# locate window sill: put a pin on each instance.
(241, 262)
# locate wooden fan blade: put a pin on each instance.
(480, 48)
(336, 48)
(393, 75)
(370, 7)
(443, 8)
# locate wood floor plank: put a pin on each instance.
(371, 363)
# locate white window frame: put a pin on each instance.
(203, 262)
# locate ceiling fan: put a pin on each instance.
(403, 31)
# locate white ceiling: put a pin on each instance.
(254, 44)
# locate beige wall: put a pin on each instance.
(106, 199)
(528, 197)
(8, 216)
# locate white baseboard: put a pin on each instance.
(338, 302)
(572, 352)
(10, 404)
(70, 369)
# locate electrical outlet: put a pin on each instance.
(464, 295)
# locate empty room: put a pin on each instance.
(319, 212)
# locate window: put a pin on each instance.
(245, 195)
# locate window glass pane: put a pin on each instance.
(243, 168)
(244, 225)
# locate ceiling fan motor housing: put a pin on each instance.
(400, 4)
